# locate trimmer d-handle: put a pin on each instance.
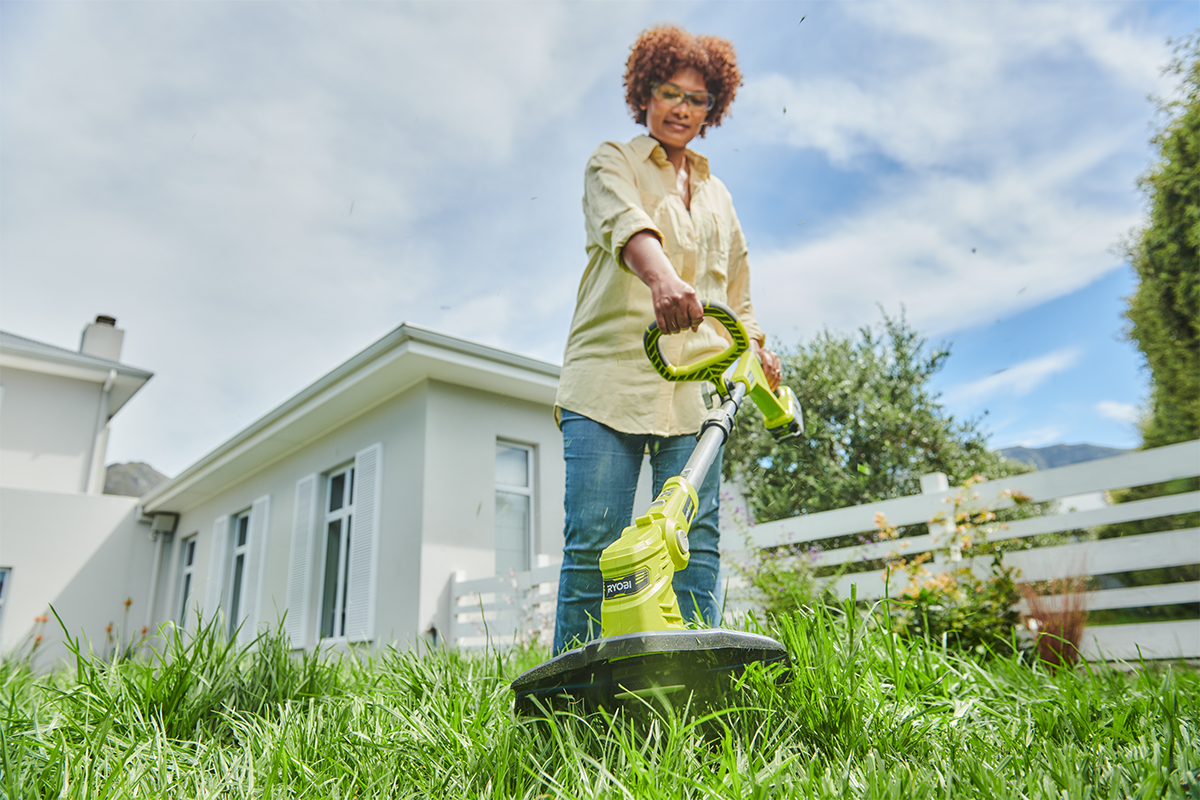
(708, 369)
(638, 568)
(780, 410)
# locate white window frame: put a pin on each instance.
(187, 578)
(344, 515)
(235, 591)
(5, 581)
(529, 490)
(301, 561)
(305, 598)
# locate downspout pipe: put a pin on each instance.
(155, 568)
(162, 528)
(95, 481)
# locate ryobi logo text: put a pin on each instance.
(628, 584)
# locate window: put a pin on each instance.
(236, 561)
(339, 516)
(187, 573)
(335, 549)
(514, 507)
(237, 568)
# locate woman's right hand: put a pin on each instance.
(676, 306)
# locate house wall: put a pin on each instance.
(47, 429)
(437, 509)
(399, 425)
(83, 554)
(398, 576)
(463, 426)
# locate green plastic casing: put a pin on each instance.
(639, 566)
(779, 408)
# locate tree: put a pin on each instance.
(872, 427)
(1164, 310)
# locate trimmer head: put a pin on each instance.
(679, 667)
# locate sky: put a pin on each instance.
(259, 190)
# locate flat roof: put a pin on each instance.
(395, 363)
(18, 352)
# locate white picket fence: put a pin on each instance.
(506, 609)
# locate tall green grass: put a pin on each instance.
(864, 715)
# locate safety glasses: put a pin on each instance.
(672, 95)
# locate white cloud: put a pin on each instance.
(933, 82)
(1036, 437)
(1007, 173)
(1016, 381)
(1121, 412)
(259, 190)
(954, 252)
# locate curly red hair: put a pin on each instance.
(662, 51)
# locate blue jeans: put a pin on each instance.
(602, 467)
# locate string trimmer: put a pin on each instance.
(644, 650)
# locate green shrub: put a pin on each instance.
(781, 580)
(959, 606)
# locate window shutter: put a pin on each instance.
(299, 563)
(252, 583)
(364, 545)
(216, 566)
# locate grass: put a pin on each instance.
(865, 715)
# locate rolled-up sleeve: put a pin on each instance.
(612, 204)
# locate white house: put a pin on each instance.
(350, 505)
(345, 511)
(55, 410)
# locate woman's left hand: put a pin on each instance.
(770, 364)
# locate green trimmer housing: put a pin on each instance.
(644, 651)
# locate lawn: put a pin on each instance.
(864, 715)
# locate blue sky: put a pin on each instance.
(257, 191)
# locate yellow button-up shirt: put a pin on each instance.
(606, 376)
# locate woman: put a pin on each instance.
(662, 238)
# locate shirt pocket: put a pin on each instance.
(719, 240)
(658, 208)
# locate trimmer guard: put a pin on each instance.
(678, 668)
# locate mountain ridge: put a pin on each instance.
(133, 479)
(1059, 455)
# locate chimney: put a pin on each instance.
(102, 339)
